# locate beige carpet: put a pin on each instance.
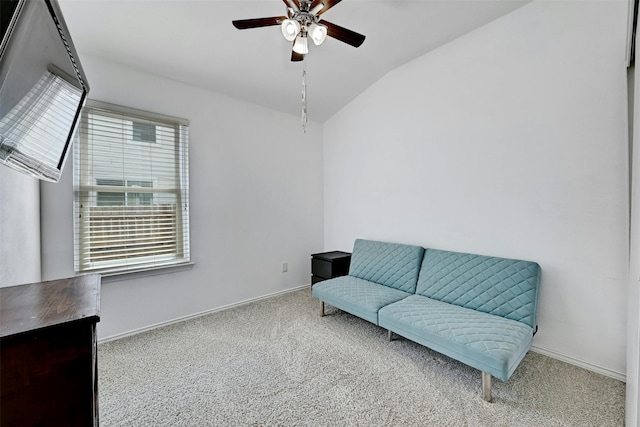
(276, 362)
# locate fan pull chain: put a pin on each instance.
(303, 120)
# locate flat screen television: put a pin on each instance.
(42, 88)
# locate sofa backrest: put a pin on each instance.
(500, 286)
(390, 264)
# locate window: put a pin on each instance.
(120, 198)
(131, 185)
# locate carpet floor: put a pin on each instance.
(277, 362)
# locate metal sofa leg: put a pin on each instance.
(321, 308)
(486, 387)
(390, 335)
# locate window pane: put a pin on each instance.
(113, 182)
(110, 199)
(144, 132)
(139, 199)
(147, 184)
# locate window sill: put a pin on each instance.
(117, 276)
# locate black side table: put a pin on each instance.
(327, 265)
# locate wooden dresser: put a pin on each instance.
(48, 353)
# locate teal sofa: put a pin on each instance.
(479, 310)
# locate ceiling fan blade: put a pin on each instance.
(296, 3)
(343, 34)
(244, 24)
(328, 4)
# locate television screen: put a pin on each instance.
(7, 13)
(42, 88)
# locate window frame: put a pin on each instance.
(84, 192)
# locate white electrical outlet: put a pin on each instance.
(285, 267)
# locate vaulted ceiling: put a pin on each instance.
(195, 42)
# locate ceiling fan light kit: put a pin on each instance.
(301, 23)
(318, 33)
(290, 29)
(301, 45)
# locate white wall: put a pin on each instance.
(509, 141)
(19, 228)
(256, 201)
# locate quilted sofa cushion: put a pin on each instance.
(492, 344)
(504, 287)
(357, 296)
(390, 264)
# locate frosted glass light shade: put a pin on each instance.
(301, 45)
(290, 29)
(318, 33)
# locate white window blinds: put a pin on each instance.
(131, 183)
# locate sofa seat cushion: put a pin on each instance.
(357, 296)
(490, 343)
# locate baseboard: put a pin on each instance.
(581, 363)
(196, 315)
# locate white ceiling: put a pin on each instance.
(195, 42)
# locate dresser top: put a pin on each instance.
(40, 305)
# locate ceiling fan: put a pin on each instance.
(303, 22)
